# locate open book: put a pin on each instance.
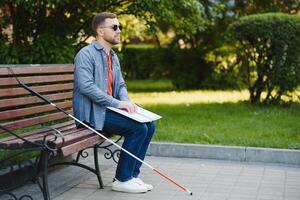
(142, 115)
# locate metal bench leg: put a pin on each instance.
(44, 169)
(96, 162)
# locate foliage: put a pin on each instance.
(268, 50)
(54, 30)
(42, 51)
(189, 69)
(182, 16)
(135, 29)
(246, 7)
(210, 39)
(225, 72)
(220, 13)
(185, 67)
(142, 63)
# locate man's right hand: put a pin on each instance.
(128, 106)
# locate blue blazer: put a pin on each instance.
(90, 96)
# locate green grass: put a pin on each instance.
(149, 85)
(238, 124)
(218, 117)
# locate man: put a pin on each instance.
(98, 83)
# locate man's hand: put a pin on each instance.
(128, 106)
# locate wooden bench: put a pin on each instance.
(20, 110)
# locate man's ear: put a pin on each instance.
(99, 31)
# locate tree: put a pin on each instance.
(246, 7)
(268, 53)
(51, 31)
(219, 14)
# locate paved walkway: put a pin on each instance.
(207, 179)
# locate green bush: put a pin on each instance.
(46, 49)
(144, 63)
(189, 69)
(268, 53)
(185, 67)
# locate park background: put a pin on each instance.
(219, 72)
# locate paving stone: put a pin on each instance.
(208, 180)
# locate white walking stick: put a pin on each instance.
(107, 139)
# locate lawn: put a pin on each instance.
(218, 117)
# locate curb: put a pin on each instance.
(233, 153)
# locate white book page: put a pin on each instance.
(142, 115)
(146, 113)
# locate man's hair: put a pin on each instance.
(100, 18)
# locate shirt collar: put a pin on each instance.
(98, 46)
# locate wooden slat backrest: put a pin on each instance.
(13, 102)
(20, 91)
(36, 69)
(36, 79)
(21, 112)
(20, 109)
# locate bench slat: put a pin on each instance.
(38, 70)
(10, 92)
(33, 121)
(76, 136)
(69, 149)
(35, 79)
(75, 147)
(69, 134)
(73, 132)
(61, 126)
(7, 103)
(11, 114)
(72, 139)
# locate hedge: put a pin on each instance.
(268, 49)
(185, 67)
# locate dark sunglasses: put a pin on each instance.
(113, 27)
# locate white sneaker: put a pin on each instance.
(139, 181)
(130, 186)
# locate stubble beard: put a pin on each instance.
(114, 40)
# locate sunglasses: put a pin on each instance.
(113, 27)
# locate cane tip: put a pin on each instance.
(190, 192)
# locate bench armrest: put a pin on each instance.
(53, 136)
